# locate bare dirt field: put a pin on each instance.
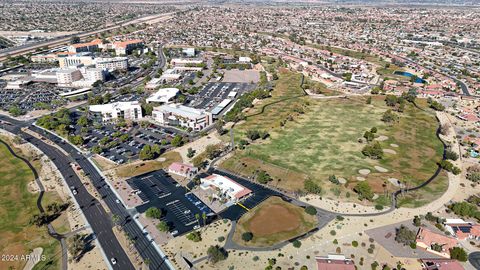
(272, 222)
(241, 76)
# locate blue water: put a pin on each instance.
(408, 74)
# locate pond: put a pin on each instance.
(408, 74)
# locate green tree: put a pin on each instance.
(247, 236)
(15, 111)
(311, 210)
(297, 244)
(373, 150)
(216, 254)
(263, 177)
(177, 141)
(146, 153)
(163, 226)
(77, 139)
(190, 152)
(82, 121)
(459, 254)
(364, 191)
(153, 212)
(389, 116)
(194, 236)
(405, 236)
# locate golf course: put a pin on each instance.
(17, 206)
(318, 138)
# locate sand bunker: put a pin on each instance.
(359, 178)
(390, 151)
(380, 169)
(364, 171)
(394, 181)
(394, 145)
(342, 180)
(381, 138)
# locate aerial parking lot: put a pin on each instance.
(121, 145)
(214, 93)
(158, 189)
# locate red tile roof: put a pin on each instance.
(429, 238)
(329, 264)
(441, 264)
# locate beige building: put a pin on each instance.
(68, 76)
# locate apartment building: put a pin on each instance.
(112, 63)
(91, 46)
(126, 47)
(66, 77)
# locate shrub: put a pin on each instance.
(194, 236)
(373, 150)
(297, 243)
(379, 207)
(216, 254)
(449, 154)
(311, 210)
(247, 236)
(221, 239)
(312, 187)
(256, 258)
(354, 243)
(333, 232)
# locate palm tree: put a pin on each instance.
(197, 217)
(116, 219)
(204, 217)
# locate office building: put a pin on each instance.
(118, 110)
(183, 116)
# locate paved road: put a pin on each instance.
(474, 259)
(19, 50)
(97, 217)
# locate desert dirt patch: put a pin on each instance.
(145, 166)
(273, 221)
(241, 76)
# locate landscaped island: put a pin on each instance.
(272, 222)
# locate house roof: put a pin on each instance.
(429, 238)
(88, 44)
(180, 167)
(441, 264)
(330, 264)
(123, 44)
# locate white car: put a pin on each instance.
(117, 201)
(74, 192)
(113, 260)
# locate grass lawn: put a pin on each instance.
(17, 205)
(273, 221)
(323, 141)
(141, 167)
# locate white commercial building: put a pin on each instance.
(112, 63)
(85, 59)
(118, 110)
(226, 188)
(163, 95)
(179, 115)
(68, 76)
(190, 52)
(185, 62)
(95, 74)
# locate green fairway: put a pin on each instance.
(17, 205)
(323, 141)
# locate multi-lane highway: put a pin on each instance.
(98, 219)
(19, 50)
